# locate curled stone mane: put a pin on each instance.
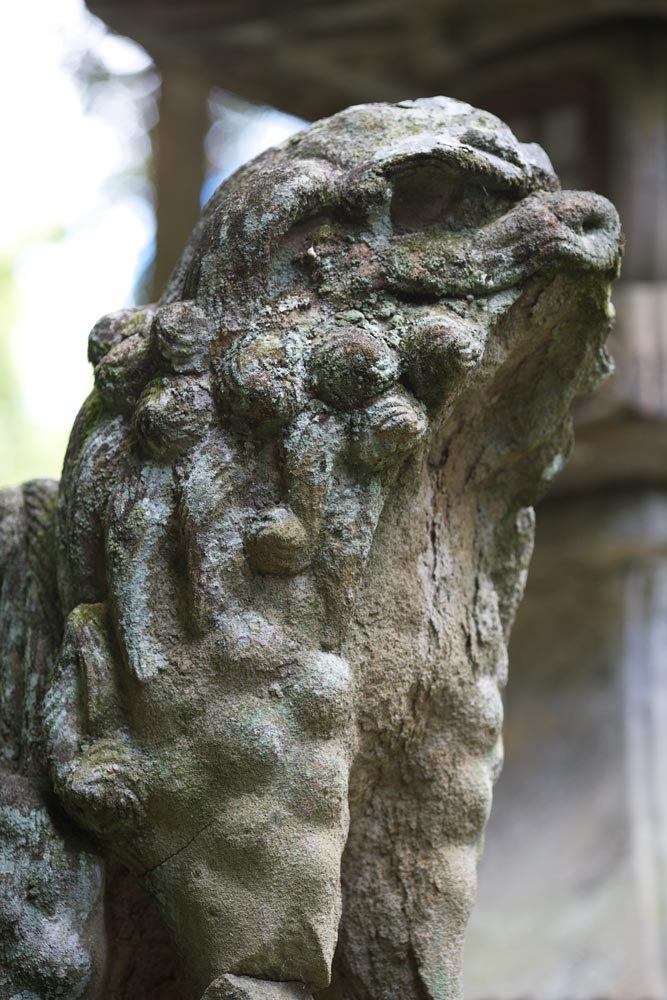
(290, 536)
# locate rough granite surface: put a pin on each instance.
(253, 643)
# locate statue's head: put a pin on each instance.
(370, 259)
(348, 302)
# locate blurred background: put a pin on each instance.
(122, 116)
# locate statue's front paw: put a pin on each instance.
(229, 987)
(106, 786)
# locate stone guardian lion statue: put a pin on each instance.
(253, 642)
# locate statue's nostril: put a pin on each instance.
(586, 214)
(593, 223)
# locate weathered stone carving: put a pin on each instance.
(254, 641)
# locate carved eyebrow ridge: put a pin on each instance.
(456, 158)
(460, 171)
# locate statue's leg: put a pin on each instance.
(211, 757)
(409, 868)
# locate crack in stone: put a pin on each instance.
(180, 850)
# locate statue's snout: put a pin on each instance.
(588, 228)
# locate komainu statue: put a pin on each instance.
(253, 642)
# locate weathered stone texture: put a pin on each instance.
(292, 530)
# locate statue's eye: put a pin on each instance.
(424, 197)
(429, 198)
